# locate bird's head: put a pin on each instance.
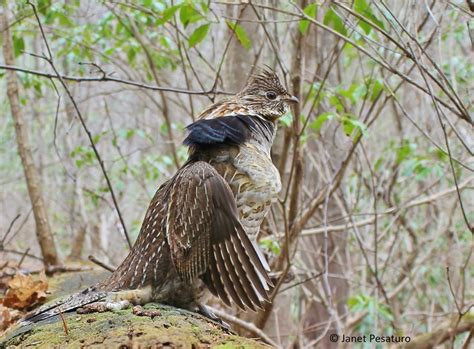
(265, 95)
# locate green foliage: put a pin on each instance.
(362, 302)
(271, 245)
(413, 162)
(374, 88)
(189, 14)
(167, 14)
(404, 151)
(352, 126)
(363, 8)
(240, 33)
(334, 21)
(311, 11)
(83, 155)
(18, 45)
(198, 35)
(354, 93)
(321, 119)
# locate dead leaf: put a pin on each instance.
(24, 292)
(8, 317)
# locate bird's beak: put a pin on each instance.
(292, 99)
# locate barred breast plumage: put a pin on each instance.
(255, 183)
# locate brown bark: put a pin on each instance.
(43, 229)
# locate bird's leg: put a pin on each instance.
(119, 300)
(103, 306)
(205, 311)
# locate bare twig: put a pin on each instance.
(109, 78)
(49, 59)
(245, 325)
(101, 264)
(8, 230)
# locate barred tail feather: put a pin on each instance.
(72, 302)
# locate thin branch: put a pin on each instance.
(49, 59)
(246, 326)
(9, 228)
(108, 78)
(101, 264)
(392, 210)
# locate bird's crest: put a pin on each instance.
(263, 79)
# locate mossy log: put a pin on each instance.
(168, 328)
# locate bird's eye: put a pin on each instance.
(271, 95)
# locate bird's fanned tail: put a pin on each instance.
(71, 302)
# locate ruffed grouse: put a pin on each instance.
(201, 225)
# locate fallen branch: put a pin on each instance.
(442, 334)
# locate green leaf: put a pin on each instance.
(269, 244)
(198, 35)
(310, 11)
(336, 102)
(321, 119)
(361, 7)
(188, 14)
(240, 33)
(355, 92)
(96, 138)
(18, 45)
(332, 19)
(404, 151)
(353, 126)
(376, 90)
(131, 54)
(439, 154)
(167, 14)
(64, 20)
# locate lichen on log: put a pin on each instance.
(168, 328)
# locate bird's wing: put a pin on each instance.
(207, 240)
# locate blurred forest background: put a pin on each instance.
(372, 232)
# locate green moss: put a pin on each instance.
(173, 328)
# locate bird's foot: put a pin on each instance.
(205, 311)
(119, 300)
(100, 307)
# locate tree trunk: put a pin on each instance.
(43, 229)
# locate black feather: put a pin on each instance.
(234, 129)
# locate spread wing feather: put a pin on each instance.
(207, 240)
